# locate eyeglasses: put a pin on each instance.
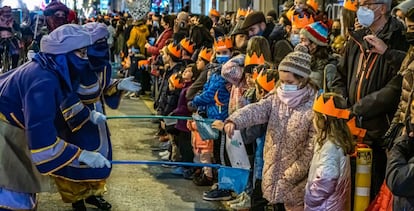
(369, 5)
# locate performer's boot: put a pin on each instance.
(79, 206)
(99, 202)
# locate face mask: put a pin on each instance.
(228, 22)
(221, 59)
(295, 39)
(155, 24)
(410, 37)
(98, 55)
(76, 64)
(365, 16)
(336, 32)
(289, 87)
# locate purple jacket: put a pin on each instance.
(182, 109)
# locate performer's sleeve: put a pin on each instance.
(49, 153)
(112, 96)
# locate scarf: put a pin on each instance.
(292, 98)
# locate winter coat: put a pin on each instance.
(288, 145)
(138, 37)
(407, 71)
(197, 86)
(329, 180)
(200, 146)
(399, 173)
(372, 86)
(318, 66)
(215, 86)
(160, 43)
(182, 109)
(161, 101)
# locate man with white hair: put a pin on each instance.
(368, 78)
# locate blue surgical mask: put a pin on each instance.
(289, 87)
(295, 39)
(221, 59)
(365, 16)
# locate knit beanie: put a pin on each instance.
(316, 32)
(297, 62)
(232, 70)
(253, 18)
(403, 6)
(54, 6)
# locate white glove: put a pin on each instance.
(94, 159)
(127, 84)
(30, 55)
(97, 117)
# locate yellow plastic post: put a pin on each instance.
(362, 179)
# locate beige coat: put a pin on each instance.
(288, 146)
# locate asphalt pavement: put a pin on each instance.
(139, 187)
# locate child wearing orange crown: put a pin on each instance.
(329, 181)
(288, 145)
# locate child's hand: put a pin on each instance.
(219, 125)
(162, 125)
(229, 129)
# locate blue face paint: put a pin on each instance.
(221, 59)
(98, 55)
(76, 64)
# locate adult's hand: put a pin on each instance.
(94, 159)
(378, 46)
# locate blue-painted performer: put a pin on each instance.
(88, 130)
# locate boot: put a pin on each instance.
(99, 202)
(79, 206)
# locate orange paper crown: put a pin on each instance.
(351, 5)
(289, 13)
(223, 43)
(187, 45)
(241, 12)
(328, 108)
(175, 80)
(206, 54)
(313, 4)
(263, 81)
(174, 50)
(254, 59)
(215, 13)
(143, 63)
(302, 22)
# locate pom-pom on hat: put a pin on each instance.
(316, 32)
(297, 62)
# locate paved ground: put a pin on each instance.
(133, 187)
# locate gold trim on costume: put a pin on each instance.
(54, 157)
(67, 163)
(3, 118)
(70, 108)
(80, 125)
(46, 148)
(16, 120)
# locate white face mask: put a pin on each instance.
(289, 87)
(295, 39)
(365, 16)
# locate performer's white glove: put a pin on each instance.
(97, 117)
(127, 84)
(94, 159)
(30, 55)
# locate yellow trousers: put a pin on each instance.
(72, 192)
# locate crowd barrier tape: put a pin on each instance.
(229, 178)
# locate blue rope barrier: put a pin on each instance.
(148, 162)
(155, 117)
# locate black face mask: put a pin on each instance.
(228, 22)
(410, 37)
(98, 55)
(336, 32)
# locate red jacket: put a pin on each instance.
(160, 43)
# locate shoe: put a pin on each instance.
(245, 203)
(165, 145)
(213, 187)
(188, 173)
(238, 199)
(178, 171)
(203, 180)
(163, 153)
(99, 202)
(79, 206)
(166, 157)
(134, 97)
(218, 195)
